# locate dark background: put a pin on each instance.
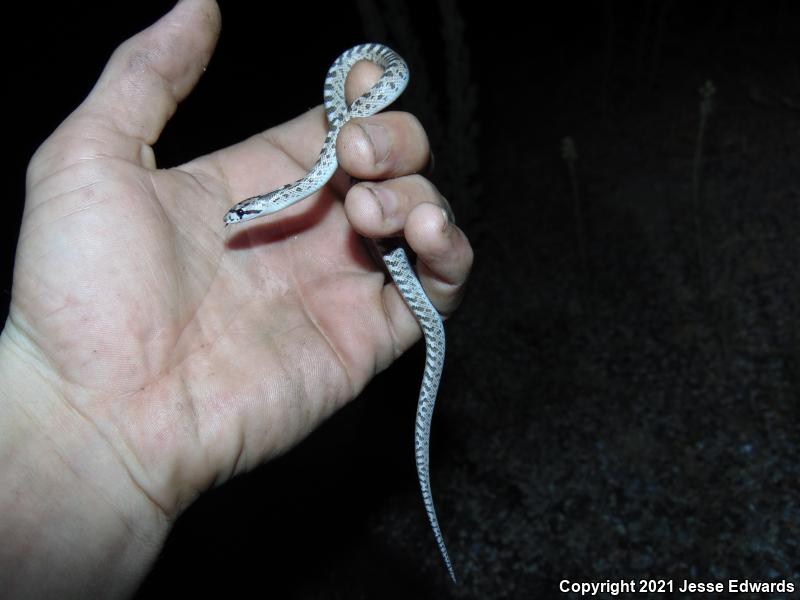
(621, 390)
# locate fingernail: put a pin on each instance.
(378, 137)
(386, 200)
(445, 221)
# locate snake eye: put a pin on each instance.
(239, 213)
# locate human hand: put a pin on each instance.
(162, 352)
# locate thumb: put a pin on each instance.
(143, 82)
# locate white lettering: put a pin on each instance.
(585, 588)
(783, 587)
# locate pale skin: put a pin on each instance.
(151, 353)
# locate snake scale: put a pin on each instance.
(385, 91)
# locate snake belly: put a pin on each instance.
(387, 89)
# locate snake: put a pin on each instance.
(386, 90)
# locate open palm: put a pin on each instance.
(193, 350)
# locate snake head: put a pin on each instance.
(240, 213)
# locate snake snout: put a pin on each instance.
(240, 213)
(233, 216)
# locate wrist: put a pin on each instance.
(72, 520)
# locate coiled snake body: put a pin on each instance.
(384, 92)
